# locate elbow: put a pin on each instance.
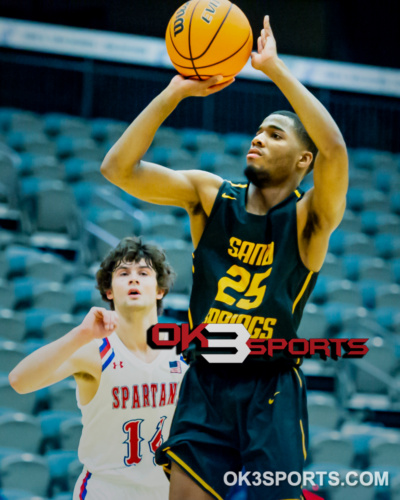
(109, 167)
(16, 383)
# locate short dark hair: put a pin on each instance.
(132, 249)
(302, 134)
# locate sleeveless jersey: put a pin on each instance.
(247, 269)
(130, 415)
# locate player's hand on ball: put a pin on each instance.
(266, 48)
(187, 87)
(99, 323)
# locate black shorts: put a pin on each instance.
(228, 418)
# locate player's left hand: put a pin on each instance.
(266, 48)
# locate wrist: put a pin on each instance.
(80, 336)
(172, 95)
(275, 68)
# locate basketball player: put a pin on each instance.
(127, 392)
(258, 249)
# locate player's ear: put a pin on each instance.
(305, 159)
(109, 295)
(160, 293)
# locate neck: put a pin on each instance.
(132, 330)
(260, 200)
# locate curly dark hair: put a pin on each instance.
(132, 249)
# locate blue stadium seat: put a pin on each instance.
(395, 203)
(374, 269)
(70, 433)
(57, 325)
(12, 325)
(342, 242)
(179, 254)
(388, 296)
(107, 130)
(17, 494)
(7, 294)
(38, 293)
(163, 225)
(387, 246)
(200, 140)
(220, 163)
(165, 136)
(323, 410)
(39, 165)
(389, 317)
(80, 169)
(51, 206)
(76, 146)
(10, 399)
(60, 123)
(395, 488)
(50, 422)
(62, 396)
(384, 451)
(74, 470)
(178, 159)
(351, 222)
(333, 448)
(31, 142)
(86, 295)
(386, 182)
(237, 144)
(63, 496)
(32, 468)
(361, 434)
(359, 200)
(21, 431)
(59, 461)
(11, 353)
(361, 179)
(395, 267)
(18, 119)
(379, 223)
(314, 323)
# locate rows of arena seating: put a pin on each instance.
(58, 218)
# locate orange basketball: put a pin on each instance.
(209, 37)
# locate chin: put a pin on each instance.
(256, 176)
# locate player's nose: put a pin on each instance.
(258, 141)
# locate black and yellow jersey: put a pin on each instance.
(247, 268)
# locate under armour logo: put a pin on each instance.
(115, 365)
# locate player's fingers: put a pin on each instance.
(221, 86)
(113, 320)
(267, 25)
(211, 82)
(259, 44)
(108, 320)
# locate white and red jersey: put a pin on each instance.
(130, 415)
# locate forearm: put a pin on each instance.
(316, 119)
(33, 372)
(136, 140)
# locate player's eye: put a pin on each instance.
(276, 136)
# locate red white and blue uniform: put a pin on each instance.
(124, 424)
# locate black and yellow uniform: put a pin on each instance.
(247, 269)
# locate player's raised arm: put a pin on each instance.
(65, 356)
(326, 201)
(123, 166)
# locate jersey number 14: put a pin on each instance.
(134, 440)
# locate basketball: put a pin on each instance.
(209, 37)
